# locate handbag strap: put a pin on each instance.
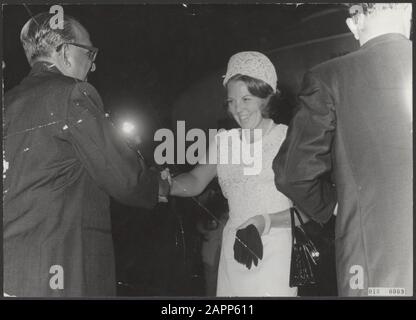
(292, 218)
(298, 215)
(294, 211)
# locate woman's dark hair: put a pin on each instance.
(260, 89)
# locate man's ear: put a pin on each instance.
(353, 28)
(63, 56)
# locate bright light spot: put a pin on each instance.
(26, 149)
(79, 121)
(64, 127)
(128, 128)
(185, 5)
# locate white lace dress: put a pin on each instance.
(250, 195)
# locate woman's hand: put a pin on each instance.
(248, 247)
(258, 221)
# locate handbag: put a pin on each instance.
(304, 257)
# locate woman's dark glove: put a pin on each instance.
(248, 247)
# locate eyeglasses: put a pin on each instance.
(92, 51)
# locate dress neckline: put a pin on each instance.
(269, 129)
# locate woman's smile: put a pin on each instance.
(245, 108)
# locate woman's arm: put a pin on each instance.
(192, 183)
(279, 219)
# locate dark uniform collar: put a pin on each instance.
(383, 38)
(43, 66)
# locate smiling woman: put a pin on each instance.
(255, 254)
(254, 94)
(251, 82)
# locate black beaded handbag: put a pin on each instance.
(305, 255)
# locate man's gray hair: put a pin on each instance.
(39, 39)
(369, 8)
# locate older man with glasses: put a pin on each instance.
(65, 160)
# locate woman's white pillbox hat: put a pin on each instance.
(253, 64)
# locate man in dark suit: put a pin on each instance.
(350, 143)
(64, 160)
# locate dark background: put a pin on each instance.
(149, 55)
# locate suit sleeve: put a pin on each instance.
(104, 153)
(303, 164)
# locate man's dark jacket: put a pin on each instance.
(351, 141)
(65, 160)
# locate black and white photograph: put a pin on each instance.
(210, 150)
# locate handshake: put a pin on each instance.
(165, 184)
